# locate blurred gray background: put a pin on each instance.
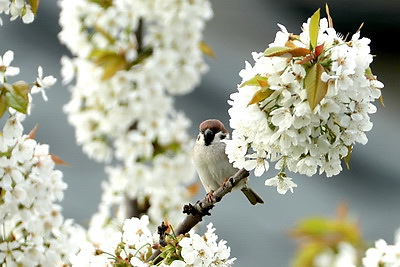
(257, 235)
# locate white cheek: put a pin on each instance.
(200, 139)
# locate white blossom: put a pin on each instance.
(282, 183)
(346, 255)
(127, 119)
(205, 250)
(17, 8)
(43, 83)
(33, 230)
(283, 128)
(382, 254)
(5, 68)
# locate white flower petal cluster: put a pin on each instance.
(204, 250)
(383, 254)
(282, 127)
(126, 71)
(17, 9)
(33, 231)
(137, 239)
(171, 33)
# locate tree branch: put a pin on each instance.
(195, 213)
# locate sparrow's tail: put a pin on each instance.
(252, 196)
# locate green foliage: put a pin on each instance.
(314, 28)
(14, 95)
(260, 95)
(110, 61)
(315, 87)
(264, 91)
(255, 81)
(280, 50)
(318, 234)
(103, 3)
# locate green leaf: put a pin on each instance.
(16, 96)
(17, 102)
(103, 3)
(314, 28)
(22, 89)
(3, 105)
(260, 95)
(280, 50)
(315, 87)
(110, 61)
(313, 226)
(257, 80)
(34, 5)
(276, 51)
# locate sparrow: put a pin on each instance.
(212, 163)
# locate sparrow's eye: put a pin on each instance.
(223, 136)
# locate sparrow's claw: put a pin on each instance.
(210, 197)
(226, 181)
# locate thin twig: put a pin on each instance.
(195, 213)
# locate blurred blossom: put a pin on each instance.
(125, 73)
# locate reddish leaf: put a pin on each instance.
(263, 82)
(32, 133)
(58, 160)
(193, 189)
(330, 21)
(306, 59)
(319, 49)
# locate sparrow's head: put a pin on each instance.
(211, 132)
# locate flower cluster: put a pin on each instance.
(19, 8)
(346, 254)
(304, 103)
(126, 71)
(383, 254)
(133, 247)
(33, 231)
(204, 250)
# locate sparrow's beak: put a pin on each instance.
(208, 136)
